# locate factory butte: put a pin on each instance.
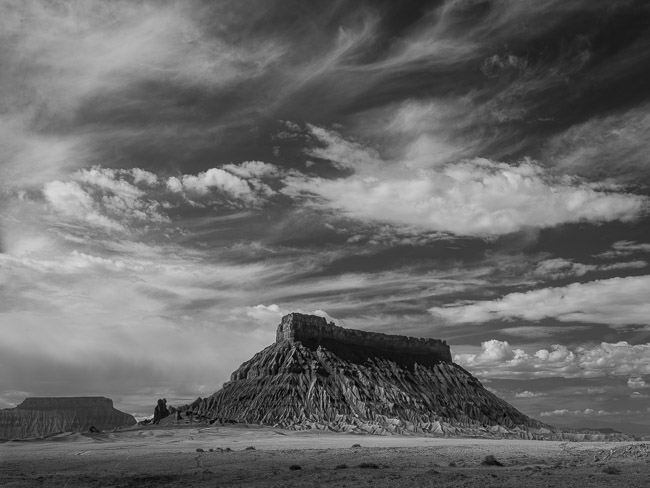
(320, 376)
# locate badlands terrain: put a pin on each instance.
(202, 455)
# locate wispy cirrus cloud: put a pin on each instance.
(106, 51)
(614, 146)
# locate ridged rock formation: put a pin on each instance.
(40, 417)
(318, 375)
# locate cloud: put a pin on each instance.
(103, 198)
(69, 199)
(561, 268)
(615, 302)
(214, 178)
(498, 359)
(343, 154)
(540, 332)
(528, 394)
(625, 248)
(637, 383)
(635, 395)
(121, 199)
(596, 391)
(272, 314)
(613, 146)
(587, 412)
(253, 169)
(241, 184)
(475, 197)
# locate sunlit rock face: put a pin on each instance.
(39, 417)
(318, 375)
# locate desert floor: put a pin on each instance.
(260, 457)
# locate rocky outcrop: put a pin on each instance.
(318, 375)
(160, 411)
(313, 331)
(39, 417)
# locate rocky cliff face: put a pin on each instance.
(39, 417)
(318, 375)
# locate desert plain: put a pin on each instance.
(253, 456)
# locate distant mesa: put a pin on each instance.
(321, 376)
(44, 416)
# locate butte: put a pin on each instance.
(320, 376)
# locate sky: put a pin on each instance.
(177, 175)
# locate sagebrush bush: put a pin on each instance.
(490, 460)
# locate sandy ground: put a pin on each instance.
(261, 457)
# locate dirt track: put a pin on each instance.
(168, 457)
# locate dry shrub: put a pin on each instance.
(490, 460)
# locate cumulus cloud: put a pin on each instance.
(615, 302)
(587, 412)
(215, 178)
(103, 198)
(498, 359)
(637, 383)
(69, 199)
(242, 183)
(528, 394)
(635, 395)
(119, 199)
(478, 197)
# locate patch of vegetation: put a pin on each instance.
(198, 449)
(294, 467)
(611, 470)
(368, 466)
(250, 448)
(490, 460)
(341, 466)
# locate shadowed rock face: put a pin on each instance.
(39, 417)
(314, 331)
(318, 375)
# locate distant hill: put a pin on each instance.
(40, 417)
(628, 428)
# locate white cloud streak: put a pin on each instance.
(562, 268)
(587, 412)
(615, 302)
(625, 248)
